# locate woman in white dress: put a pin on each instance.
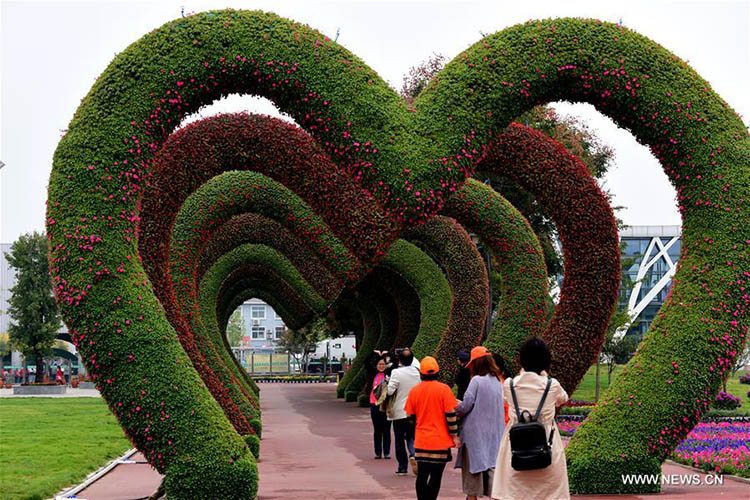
(550, 483)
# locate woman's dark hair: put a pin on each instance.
(500, 362)
(484, 366)
(535, 356)
(376, 359)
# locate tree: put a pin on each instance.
(419, 76)
(301, 343)
(618, 350)
(4, 346)
(235, 329)
(32, 304)
(613, 349)
(742, 360)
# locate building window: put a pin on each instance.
(258, 332)
(279, 332)
(258, 312)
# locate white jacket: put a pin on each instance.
(402, 381)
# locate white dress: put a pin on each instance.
(550, 483)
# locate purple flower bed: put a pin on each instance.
(722, 447)
(717, 446)
(726, 401)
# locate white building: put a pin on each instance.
(263, 326)
(335, 348)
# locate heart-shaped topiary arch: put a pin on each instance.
(410, 159)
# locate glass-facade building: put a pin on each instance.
(652, 252)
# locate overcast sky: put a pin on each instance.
(53, 51)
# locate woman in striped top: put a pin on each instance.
(432, 406)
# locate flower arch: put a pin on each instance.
(410, 159)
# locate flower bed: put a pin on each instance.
(719, 446)
(725, 401)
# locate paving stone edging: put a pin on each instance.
(701, 471)
(70, 492)
(39, 390)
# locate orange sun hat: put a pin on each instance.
(478, 352)
(428, 366)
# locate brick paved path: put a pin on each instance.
(318, 447)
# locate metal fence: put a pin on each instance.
(264, 362)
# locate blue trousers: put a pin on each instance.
(403, 433)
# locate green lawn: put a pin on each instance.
(585, 390)
(47, 444)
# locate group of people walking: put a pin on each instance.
(502, 427)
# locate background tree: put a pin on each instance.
(32, 304)
(301, 343)
(618, 350)
(615, 350)
(4, 347)
(235, 329)
(742, 360)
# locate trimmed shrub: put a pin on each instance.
(431, 285)
(518, 257)
(451, 246)
(726, 401)
(569, 196)
(371, 333)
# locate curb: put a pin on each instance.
(702, 471)
(95, 476)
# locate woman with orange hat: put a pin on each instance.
(482, 426)
(431, 404)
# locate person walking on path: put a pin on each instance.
(551, 482)
(403, 380)
(432, 406)
(381, 427)
(463, 375)
(482, 426)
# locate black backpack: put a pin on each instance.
(530, 448)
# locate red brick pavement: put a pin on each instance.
(318, 447)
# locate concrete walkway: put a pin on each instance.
(318, 447)
(69, 393)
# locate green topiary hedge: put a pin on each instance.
(572, 199)
(371, 333)
(431, 285)
(451, 246)
(518, 258)
(213, 281)
(255, 228)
